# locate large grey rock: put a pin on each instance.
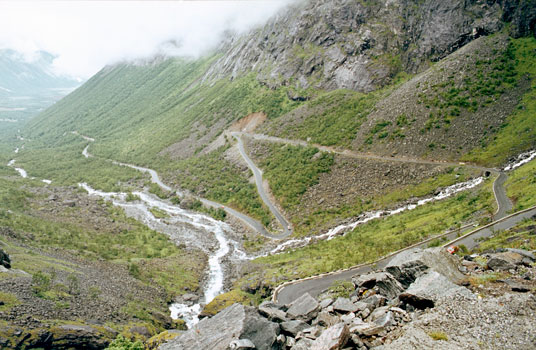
(366, 329)
(303, 344)
(373, 301)
(304, 308)
(333, 44)
(414, 261)
(408, 272)
(293, 327)
(326, 319)
(523, 252)
(272, 312)
(344, 305)
(382, 282)
(430, 287)
(333, 338)
(233, 323)
(505, 261)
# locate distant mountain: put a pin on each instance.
(28, 86)
(19, 76)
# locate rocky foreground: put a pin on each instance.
(423, 299)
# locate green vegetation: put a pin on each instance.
(213, 177)
(225, 300)
(9, 300)
(291, 170)
(490, 80)
(158, 213)
(436, 335)
(159, 192)
(522, 236)
(519, 131)
(341, 289)
(122, 343)
(66, 166)
(332, 118)
(368, 242)
(521, 186)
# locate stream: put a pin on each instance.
(183, 227)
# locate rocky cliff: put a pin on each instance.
(362, 45)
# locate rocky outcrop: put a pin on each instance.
(361, 45)
(64, 337)
(5, 261)
(380, 304)
(226, 329)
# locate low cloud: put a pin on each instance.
(85, 36)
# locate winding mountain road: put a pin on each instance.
(360, 155)
(260, 189)
(155, 178)
(503, 202)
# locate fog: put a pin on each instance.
(85, 36)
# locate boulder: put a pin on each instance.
(429, 287)
(4, 259)
(407, 273)
(523, 252)
(366, 329)
(304, 308)
(233, 323)
(379, 312)
(382, 282)
(140, 330)
(310, 333)
(77, 337)
(385, 320)
(325, 303)
(326, 319)
(344, 305)
(414, 260)
(294, 327)
(272, 311)
(374, 301)
(333, 338)
(303, 344)
(416, 301)
(347, 318)
(504, 261)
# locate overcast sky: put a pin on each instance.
(88, 35)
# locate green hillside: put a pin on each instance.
(163, 114)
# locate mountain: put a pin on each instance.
(438, 81)
(22, 76)
(27, 86)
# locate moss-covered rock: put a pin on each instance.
(225, 300)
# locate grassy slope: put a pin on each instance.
(521, 186)
(135, 112)
(518, 133)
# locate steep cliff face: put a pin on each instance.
(362, 45)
